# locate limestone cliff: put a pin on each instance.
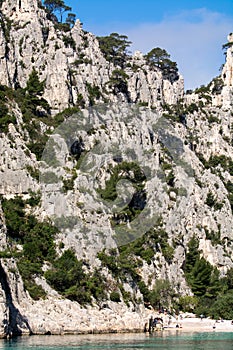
(124, 188)
(68, 61)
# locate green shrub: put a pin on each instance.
(125, 170)
(28, 270)
(118, 81)
(5, 116)
(210, 200)
(37, 237)
(187, 303)
(15, 216)
(69, 41)
(161, 294)
(115, 296)
(222, 307)
(68, 278)
(94, 93)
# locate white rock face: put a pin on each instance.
(32, 41)
(71, 63)
(227, 72)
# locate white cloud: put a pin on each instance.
(193, 38)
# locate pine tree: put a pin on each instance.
(200, 277)
(33, 101)
(114, 48)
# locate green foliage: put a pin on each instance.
(6, 254)
(63, 27)
(60, 117)
(158, 237)
(28, 270)
(34, 86)
(217, 85)
(118, 81)
(125, 170)
(216, 160)
(33, 172)
(145, 291)
(202, 277)
(120, 265)
(30, 99)
(202, 89)
(159, 58)
(68, 278)
(212, 119)
(5, 117)
(114, 48)
(115, 296)
(229, 187)
(36, 237)
(69, 41)
(192, 108)
(217, 303)
(177, 112)
(33, 107)
(15, 216)
(229, 279)
(110, 261)
(68, 184)
(5, 24)
(35, 199)
(38, 142)
(162, 294)
(82, 59)
(94, 93)
(66, 272)
(170, 178)
(192, 255)
(222, 307)
(187, 303)
(38, 242)
(126, 264)
(214, 237)
(212, 202)
(56, 6)
(221, 161)
(70, 20)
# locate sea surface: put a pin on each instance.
(165, 340)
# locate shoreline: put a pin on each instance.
(194, 324)
(186, 325)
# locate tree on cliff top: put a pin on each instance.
(158, 57)
(56, 6)
(114, 47)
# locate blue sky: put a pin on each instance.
(191, 31)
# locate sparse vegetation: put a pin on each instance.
(114, 48)
(67, 276)
(159, 58)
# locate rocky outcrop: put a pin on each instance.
(68, 61)
(182, 144)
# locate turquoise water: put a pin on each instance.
(171, 341)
